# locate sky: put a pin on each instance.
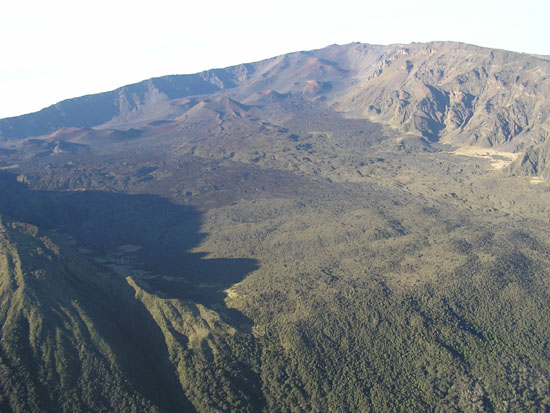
(58, 49)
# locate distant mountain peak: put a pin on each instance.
(445, 91)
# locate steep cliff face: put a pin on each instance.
(456, 93)
(75, 337)
(53, 352)
(140, 101)
(535, 161)
(452, 92)
(248, 239)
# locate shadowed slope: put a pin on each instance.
(130, 321)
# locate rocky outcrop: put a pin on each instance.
(449, 92)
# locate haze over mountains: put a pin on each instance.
(448, 92)
(355, 228)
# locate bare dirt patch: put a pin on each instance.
(498, 159)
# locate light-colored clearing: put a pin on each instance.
(231, 293)
(490, 154)
(536, 180)
(3, 168)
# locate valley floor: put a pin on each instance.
(305, 269)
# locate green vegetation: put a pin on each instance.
(277, 256)
(380, 294)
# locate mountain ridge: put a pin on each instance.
(381, 83)
(319, 231)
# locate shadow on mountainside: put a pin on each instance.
(146, 237)
(141, 232)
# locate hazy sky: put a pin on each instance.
(57, 49)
